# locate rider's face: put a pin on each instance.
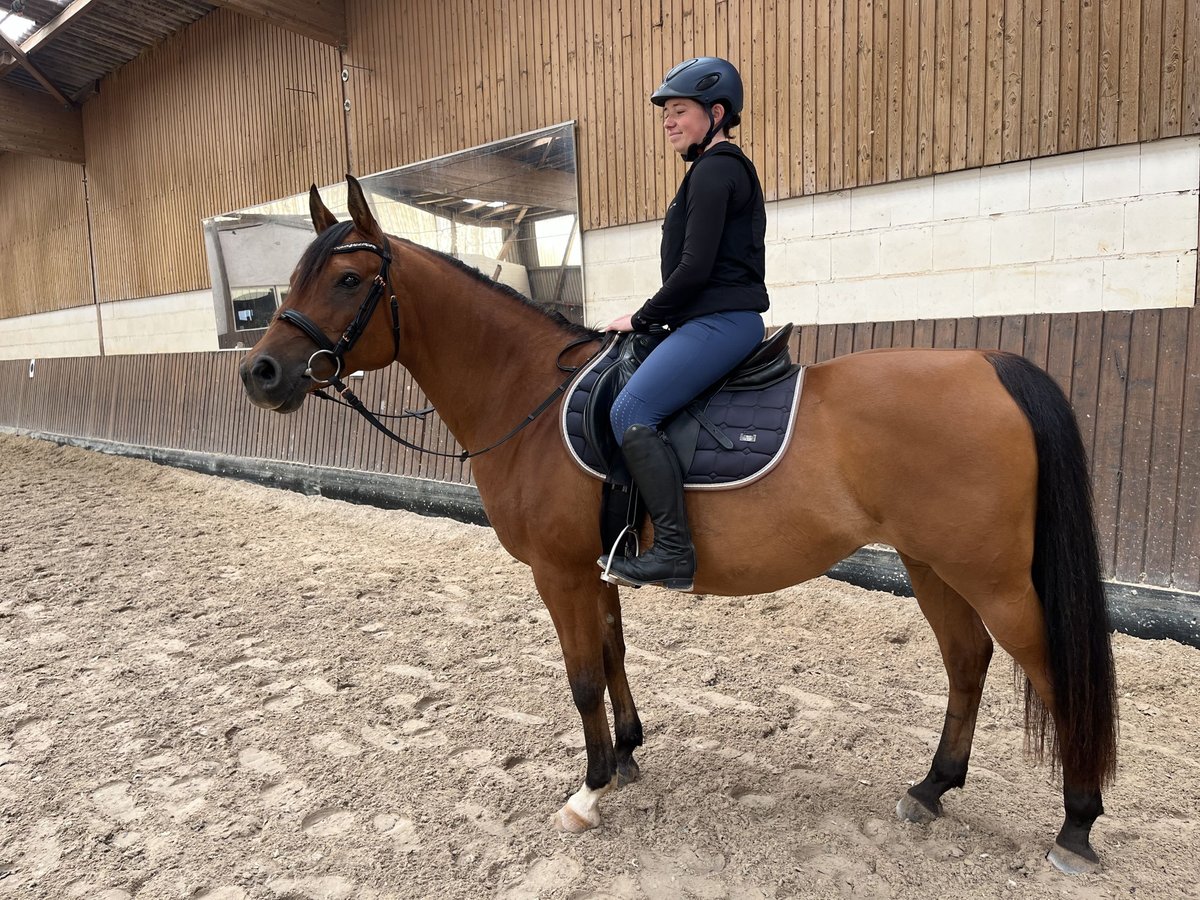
(686, 122)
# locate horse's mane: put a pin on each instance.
(552, 314)
(319, 250)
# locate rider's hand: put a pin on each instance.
(621, 324)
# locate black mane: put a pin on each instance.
(552, 314)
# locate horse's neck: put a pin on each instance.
(483, 358)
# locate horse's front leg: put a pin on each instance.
(626, 723)
(574, 602)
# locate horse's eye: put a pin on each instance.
(350, 280)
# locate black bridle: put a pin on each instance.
(337, 354)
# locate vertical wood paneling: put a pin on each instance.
(837, 95)
(894, 159)
(1051, 76)
(224, 114)
(1110, 415)
(1137, 430)
(1166, 442)
(927, 64)
(849, 110)
(911, 68)
(822, 95)
(960, 40)
(44, 259)
(1031, 80)
(1109, 69)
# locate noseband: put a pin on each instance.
(337, 352)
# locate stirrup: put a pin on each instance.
(607, 575)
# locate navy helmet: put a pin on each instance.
(706, 79)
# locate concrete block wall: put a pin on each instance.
(1105, 229)
(174, 323)
(67, 332)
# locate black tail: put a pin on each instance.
(1066, 575)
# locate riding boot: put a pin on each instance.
(671, 561)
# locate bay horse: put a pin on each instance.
(969, 463)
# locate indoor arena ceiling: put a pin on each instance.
(69, 46)
(62, 48)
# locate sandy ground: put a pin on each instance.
(215, 690)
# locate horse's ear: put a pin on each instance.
(360, 212)
(322, 218)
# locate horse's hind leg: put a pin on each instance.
(626, 723)
(966, 651)
(1014, 617)
(1019, 628)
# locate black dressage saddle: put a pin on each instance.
(746, 414)
(729, 436)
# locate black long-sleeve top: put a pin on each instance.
(713, 247)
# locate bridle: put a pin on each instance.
(337, 354)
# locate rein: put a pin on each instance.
(355, 330)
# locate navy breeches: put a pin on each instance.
(692, 358)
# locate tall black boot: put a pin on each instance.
(671, 561)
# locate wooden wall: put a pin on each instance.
(840, 92)
(195, 401)
(1133, 378)
(44, 261)
(228, 113)
(232, 112)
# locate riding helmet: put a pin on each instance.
(706, 79)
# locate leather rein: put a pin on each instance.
(337, 355)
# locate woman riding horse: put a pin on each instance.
(710, 304)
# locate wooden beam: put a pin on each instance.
(33, 70)
(323, 21)
(47, 32)
(35, 124)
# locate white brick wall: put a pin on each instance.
(175, 323)
(1103, 229)
(67, 332)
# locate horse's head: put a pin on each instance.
(340, 314)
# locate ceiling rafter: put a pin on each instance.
(323, 21)
(29, 67)
(46, 33)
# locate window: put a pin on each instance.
(253, 307)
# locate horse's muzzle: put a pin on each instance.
(272, 385)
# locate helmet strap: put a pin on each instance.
(694, 151)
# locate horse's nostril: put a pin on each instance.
(265, 371)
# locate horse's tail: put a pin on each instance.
(1066, 575)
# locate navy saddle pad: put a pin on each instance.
(730, 436)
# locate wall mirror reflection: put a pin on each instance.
(509, 208)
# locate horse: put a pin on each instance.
(968, 462)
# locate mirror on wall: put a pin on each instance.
(509, 208)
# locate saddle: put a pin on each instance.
(729, 436)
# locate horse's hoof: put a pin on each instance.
(568, 821)
(627, 773)
(910, 809)
(1071, 863)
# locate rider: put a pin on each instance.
(710, 304)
